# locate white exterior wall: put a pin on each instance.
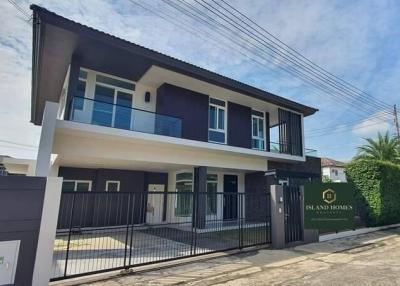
(330, 173)
(171, 218)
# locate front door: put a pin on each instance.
(230, 197)
(155, 202)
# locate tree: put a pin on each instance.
(326, 179)
(383, 148)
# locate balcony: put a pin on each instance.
(85, 110)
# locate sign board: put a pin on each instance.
(329, 206)
(8, 261)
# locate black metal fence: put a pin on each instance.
(102, 231)
(293, 215)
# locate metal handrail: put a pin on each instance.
(128, 107)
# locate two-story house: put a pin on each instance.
(118, 117)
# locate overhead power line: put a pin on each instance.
(27, 14)
(339, 130)
(261, 53)
(198, 15)
(295, 52)
(347, 124)
(264, 41)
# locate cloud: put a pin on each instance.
(372, 125)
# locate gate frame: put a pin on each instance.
(195, 226)
(278, 220)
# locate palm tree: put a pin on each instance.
(383, 148)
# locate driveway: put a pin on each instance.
(369, 259)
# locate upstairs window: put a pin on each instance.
(258, 130)
(217, 121)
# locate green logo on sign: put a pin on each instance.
(1, 260)
(329, 206)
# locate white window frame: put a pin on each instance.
(264, 130)
(176, 196)
(80, 181)
(216, 194)
(113, 182)
(284, 181)
(217, 118)
(93, 74)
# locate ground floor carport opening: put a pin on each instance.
(154, 216)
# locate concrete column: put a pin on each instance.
(200, 194)
(47, 233)
(309, 235)
(277, 217)
(43, 161)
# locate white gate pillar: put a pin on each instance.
(47, 233)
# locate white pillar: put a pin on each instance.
(46, 139)
(47, 233)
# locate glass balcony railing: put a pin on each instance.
(285, 148)
(85, 110)
(311, 152)
(290, 149)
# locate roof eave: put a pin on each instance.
(168, 60)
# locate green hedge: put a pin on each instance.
(377, 185)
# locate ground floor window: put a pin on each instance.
(184, 196)
(212, 185)
(76, 186)
(283, 181)
(112, 186)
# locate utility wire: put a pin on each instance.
(349, 124)
(21, 10)
(167, 18)
(196, 15)
(333, 132)
(278, 52)
(290, 50)
(199, 12)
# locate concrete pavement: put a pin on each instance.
(369, 259)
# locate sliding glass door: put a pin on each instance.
(112, 107)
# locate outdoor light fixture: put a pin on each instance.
(147, 96)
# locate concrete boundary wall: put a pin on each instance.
(21, 205)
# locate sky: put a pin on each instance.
(358, 41)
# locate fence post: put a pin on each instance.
(309, 235)
(127, 227)
(277, 217)
(69, 233)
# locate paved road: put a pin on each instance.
(370, 259)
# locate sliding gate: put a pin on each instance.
(102, 231)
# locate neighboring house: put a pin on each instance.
(119, 117)
(17, 166)
(333, 170)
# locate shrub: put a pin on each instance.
(377, 186)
